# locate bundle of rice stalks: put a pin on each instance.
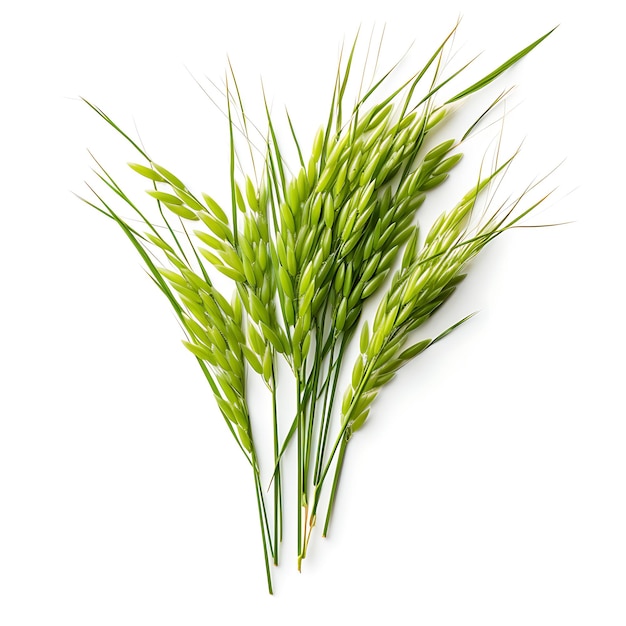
(306, 248)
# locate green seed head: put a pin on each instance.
(318, 144)
(251, 195)
(147, 172)
(215, 208)
(171, 179)
(365, 338)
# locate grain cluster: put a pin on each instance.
(305, 248)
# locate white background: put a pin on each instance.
(489, 486)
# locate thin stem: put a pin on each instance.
(232, 153)
(299, 429)
(329, 399)
(313, 384)
(371, 366)
(333, 491)
(261, 508)
(278, 503)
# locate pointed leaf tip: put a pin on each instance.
(483, 82)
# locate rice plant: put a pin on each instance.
(305, 247)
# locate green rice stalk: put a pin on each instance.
(306, 249)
